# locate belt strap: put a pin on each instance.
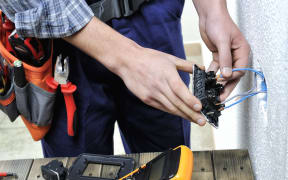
(106, 10)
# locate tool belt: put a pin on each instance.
(33, 102)
(106, 10)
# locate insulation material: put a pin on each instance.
(265, 25)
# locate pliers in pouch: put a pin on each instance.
(61, 74)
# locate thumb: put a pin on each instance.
(225, 59)
(186, 66)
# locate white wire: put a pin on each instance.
(242, 94)
(249, 92)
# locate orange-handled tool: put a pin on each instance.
(6, 174)
(67, 88)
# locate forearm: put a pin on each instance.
(104, 44)
(150, 75)
(206, 7)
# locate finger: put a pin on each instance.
(229, 87)
(194, 116)
(241, 60)
(235, 75)
(186, 66)
(181, 91)
(165, 105)
(207, 41)
(225, 59)
(161, 105)
(241, 52)
(214, 66)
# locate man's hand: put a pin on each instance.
(223, 38)
(152, 76)
(149, 74)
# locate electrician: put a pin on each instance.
(126, 69)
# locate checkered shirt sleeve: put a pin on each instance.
(47, 18)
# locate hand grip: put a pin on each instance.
(52, 84)
(68, 90)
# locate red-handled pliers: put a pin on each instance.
(6, 174)
(67, 88)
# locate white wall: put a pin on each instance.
(265, 25)
(190, 28)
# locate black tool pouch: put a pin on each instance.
(34, 103)
(8, 104)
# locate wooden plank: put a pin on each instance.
(232, 165)
(146, 157)
(202, 166)
(70, 161)
(135, 157)
(109, 171)
(35, 172)
(93, 170)
(20, 167)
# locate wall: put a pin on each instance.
(265, 25)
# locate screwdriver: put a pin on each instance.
(19, 74)
(6, 174)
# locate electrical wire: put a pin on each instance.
(247, 92)
(249, 69)
(242, 94)
(243, 98)
(250, 92)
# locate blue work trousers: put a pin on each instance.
(102, 98)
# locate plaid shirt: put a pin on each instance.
(47, 18)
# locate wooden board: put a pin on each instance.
(136, 157)
(109, 171)
(35, 172)
(232, 165)
(70, 162)
(20, 167)
(202, 166)
(93, 170)
(146, 157)
(208, 165)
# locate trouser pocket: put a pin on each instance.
(8, 104)
(35, 104)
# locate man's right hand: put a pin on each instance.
(149, 74)
(153, 77)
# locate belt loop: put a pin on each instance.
(126, 7)
(121, 7)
